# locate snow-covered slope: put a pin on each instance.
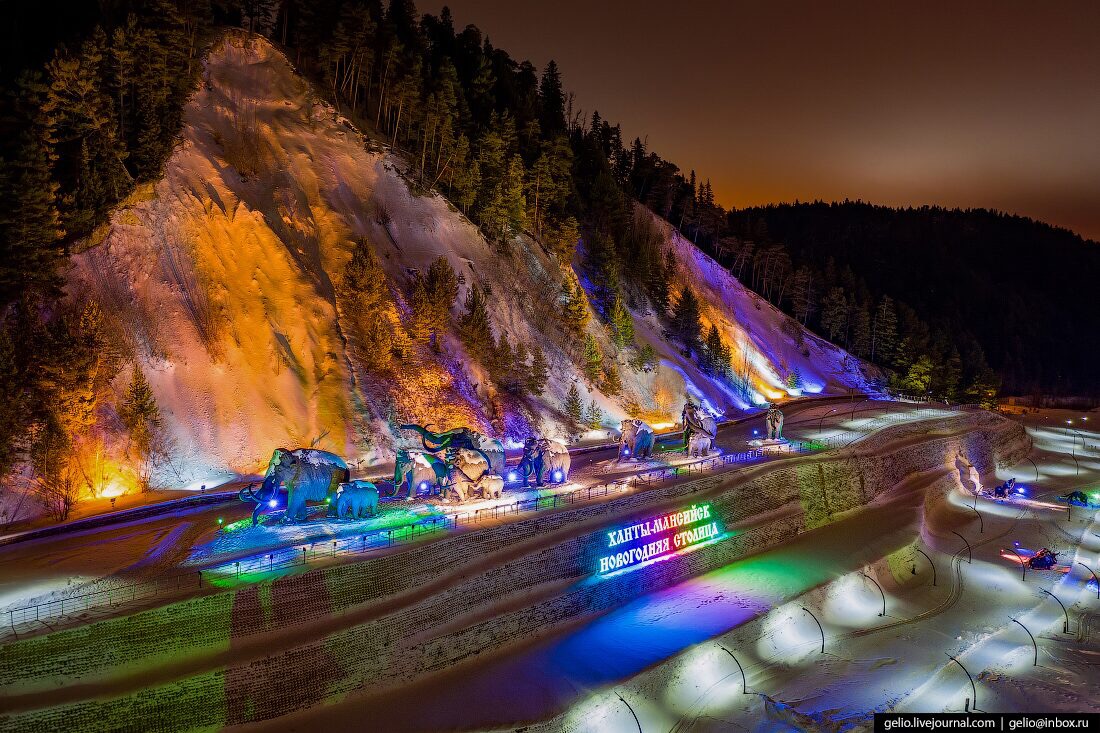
(224, 286)
(769, 345)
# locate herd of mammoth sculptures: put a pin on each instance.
(461, 464)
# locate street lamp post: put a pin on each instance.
(973, 687)
(1033, 644)
(744, 680)
(1065, 624)
(969, 552)
(819, 628)
(880, 590)
(930, 563)
(628, 707)
(821, 422)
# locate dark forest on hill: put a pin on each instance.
(1019, 290)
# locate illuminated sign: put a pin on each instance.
(658, 537)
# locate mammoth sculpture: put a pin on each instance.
(774, 422)
(545, 459)
(637, 439)
(490, 486)
(471, 473)
(700, 429)
(459, 438)
(414, 470)
(356, 500)
(308, 475)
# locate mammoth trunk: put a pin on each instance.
(431, 441)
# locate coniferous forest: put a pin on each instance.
(95, 93)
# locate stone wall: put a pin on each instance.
(446, 600)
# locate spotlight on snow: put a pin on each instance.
(706, 667)
(558, 476)
(755, 431)
(626, 451)
(512, 476)
(272, 503)
(423, 486)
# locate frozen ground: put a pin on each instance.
(668, 654)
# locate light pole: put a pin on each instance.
(1065, 624)
(1033, 644)
(821, 422)
(624, 702)
(981, 522)
(744, 681)
(930, 563)
(818, 627)
(969, 552)
(881, 592)
(973, 688)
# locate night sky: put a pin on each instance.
(993, 104)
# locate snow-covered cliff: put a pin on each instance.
(224, 283)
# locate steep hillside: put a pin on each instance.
(227, 284)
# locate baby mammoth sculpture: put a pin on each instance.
(308, 475)
(490, 486)
(471, 474)
(700, 429)
(356, 500)
(545, 459)
(637, 440)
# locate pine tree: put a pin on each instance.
(30, 228)
(593, 358)
(364, 301)
(602, 262)
(919, 376)
(612, 383)
(714, 357)
(514, 201)
(884, 332)
(465, 175)
(574, 408)
(622, 323)
(141, 416)
(645, 359)
(593, 416)
(861, 332)
(551, 101)
(834, 313)
(794, 379)
(574, 305)
(686, 322)
(539, 372)
(431, 299)
(475, 328)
